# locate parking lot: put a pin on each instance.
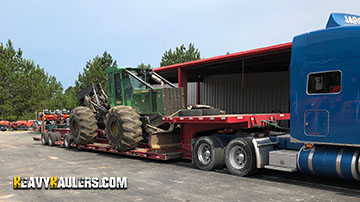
(152, 180)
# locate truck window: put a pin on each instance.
(324, 82)
(117, 87)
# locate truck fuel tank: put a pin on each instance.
(333, 161)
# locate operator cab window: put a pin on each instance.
(128, 88)
(117, 87)
(324, 82)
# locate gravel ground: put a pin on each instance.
(152, 180)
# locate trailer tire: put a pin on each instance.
(83, 125)
(190, 112)
(45, 138)
(240, 157)
(208, 153)
(208, 112)
(67, 141)
(123, 128)
(52, 139)
(58, 136)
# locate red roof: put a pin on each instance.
(227, 57)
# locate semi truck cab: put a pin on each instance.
(325, 83)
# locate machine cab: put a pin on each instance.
(131, 87)
(122, 85)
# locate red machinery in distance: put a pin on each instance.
(58, 116)
(4, 125)
(47, 117)
(65, 114)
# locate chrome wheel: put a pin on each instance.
(204, 153)
(237, 157)
(43, 140)
(51, 143)
(66, 142)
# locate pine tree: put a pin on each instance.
(180, 55)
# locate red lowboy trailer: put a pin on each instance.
(191, 126)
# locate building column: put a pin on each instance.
(182, 83)
(198, 93)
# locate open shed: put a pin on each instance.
(253, 81)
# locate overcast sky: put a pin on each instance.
(61, 36)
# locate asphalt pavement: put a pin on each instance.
(150, 180)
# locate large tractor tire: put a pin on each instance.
(83, 125)
(123, 128)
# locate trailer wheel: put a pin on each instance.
(67, 141)
(208, 153)
(123, 128)
(58, 136)
(240, 157)
(44, 138)
(83, 125)
(52, 139)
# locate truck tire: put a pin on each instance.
(240, 157)
(45, 138)
(83, 125)
(190, 112)
(208, 153)
(67, 141)
(58, 136)
(208, 112)
(52, 139)
(123, 128)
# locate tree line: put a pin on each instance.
(25, 87)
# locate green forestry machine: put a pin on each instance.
(131, 112)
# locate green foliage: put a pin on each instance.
(25, 87)
(143, 66)
(93, 72)
(180, 55)
(70, 97)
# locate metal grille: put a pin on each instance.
(173, 100)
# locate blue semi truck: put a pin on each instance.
(325, 98)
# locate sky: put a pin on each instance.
(61, 36)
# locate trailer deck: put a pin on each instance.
(138, 152)
(190, 126)
(250, 120)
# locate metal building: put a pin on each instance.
(254, 81)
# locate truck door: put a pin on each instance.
(323, 87)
